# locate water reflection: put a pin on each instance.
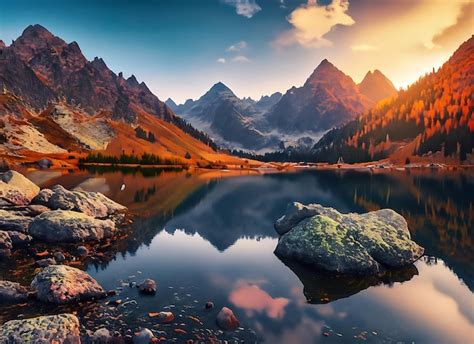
(214, 237)
(323, 288)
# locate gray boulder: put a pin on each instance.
(5, 244)
(64, 284)
(12, 292)
(17, 189)
(61, 328)
(90, 203)
(362, 244)
(19, 239)
(69, 226)
(9, 221)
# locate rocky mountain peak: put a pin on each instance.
(220, 87)
(132, 81)
(376, 86)
(99, 64)
(38, 32)
(326, 72)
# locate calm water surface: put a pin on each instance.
(213, 239)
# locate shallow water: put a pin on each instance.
(212, 239)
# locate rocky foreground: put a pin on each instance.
(358, 244)
(57, 216)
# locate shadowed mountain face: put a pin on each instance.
(327, 99)
(376, 86)
(227, 118)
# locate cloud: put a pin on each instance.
(311, 22)
(457, 31)
(221, 60)
(237, 46)
(363, 47)
(246, 8)
(241, 58)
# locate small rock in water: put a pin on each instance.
(101, 335)
(82, 251)
(147, 287)
(209, 305)
(165, 317)
(227, 320)
(143, 337)
(46, 262)
(59, 256)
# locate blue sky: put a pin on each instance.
(181, 48)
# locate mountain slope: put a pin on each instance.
(327, 99)
(53, 101)
(376, 86)
(433, 117)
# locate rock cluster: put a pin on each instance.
(52, 215)
(360, 244)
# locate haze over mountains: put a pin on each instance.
(54, 100)
(327, 99)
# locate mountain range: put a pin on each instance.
(327, 99)
(432, 119)
(54, 100)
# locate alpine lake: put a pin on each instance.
(210, 237)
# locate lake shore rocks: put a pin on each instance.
(16, 189)
(69, 226)
(359, 244)
(93, 204)
(61, 284)
(11, 292)
(62, 328)
(13, 222)
(56, 215)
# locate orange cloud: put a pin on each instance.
(312, 22)
(251, 298)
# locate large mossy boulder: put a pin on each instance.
(69, 226)
(361, 244)
(61, 328)
(90, 203)
(16, 189)
(62, 284)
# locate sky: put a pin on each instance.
(256, 47)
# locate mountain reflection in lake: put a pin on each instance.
(202, 237)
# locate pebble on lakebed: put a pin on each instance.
(359, 244)
(147, 287)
